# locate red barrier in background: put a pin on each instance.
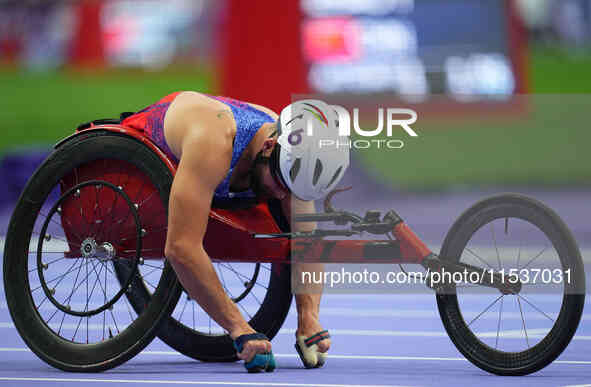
(261, 56)
(87, 47)
(518, 48)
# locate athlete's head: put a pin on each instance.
(263, 183)
(301, 155)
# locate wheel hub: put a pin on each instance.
(90, 249)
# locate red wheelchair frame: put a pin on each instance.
(111, 206)
(253, 231)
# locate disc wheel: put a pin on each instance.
(262, 292)
(76, 218)
(513, 334)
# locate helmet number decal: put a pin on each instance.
(295, 137)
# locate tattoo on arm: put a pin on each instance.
(222, 113)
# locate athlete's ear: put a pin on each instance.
(268, 145)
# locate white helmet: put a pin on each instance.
(310, 157)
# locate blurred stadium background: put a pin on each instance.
(67, 62)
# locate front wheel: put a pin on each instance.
(522, 239)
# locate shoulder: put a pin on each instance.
(264, 109)
(189, 104)
(195, 117)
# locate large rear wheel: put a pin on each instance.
(80, 215)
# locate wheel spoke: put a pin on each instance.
(486, 309)
(128, 308)
(60, 225)
(81, 212)
(519, 253)
(70, 269)
(149, 283)
(61, 323)
(239, 274)
(54, 313)
(535, 307)
(155, 267)
(193, 309)
(224, 284)
(184, 306)
(59, 239)
(151, 271)
(48, 263)
(96, 280)
(139, 205)
(112, 209)
(523, 322)
(256, 298)
(499, 323)
(87, 301)
(77, 327)
(75, 282)
(245, 311)
(479, 258)
(149, 197)
(101, 228)
(534, 258)
(38, 307)
(492, 227)
(106, 291)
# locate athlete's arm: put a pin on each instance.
(292, 206)
(204, 162)
(309, 294)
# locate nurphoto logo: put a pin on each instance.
(390, 120)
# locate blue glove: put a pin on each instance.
(261, 361)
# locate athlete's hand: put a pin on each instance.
(255, 350)
(253, 347)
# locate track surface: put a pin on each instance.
(378, 339)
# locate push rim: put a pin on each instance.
(91, 242)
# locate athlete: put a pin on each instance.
(231, 150)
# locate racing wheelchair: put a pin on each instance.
(88, 287)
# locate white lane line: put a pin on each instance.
(8, 349)
(424, 314)
(190, 382)
(332, 356)
(363, 313)
(537, 333)
(509, 334)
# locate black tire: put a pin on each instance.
(572, 297)
(217, 347)
(44, 341)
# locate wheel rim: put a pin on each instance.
(90, 249)
(78, 296)
(517, 323)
